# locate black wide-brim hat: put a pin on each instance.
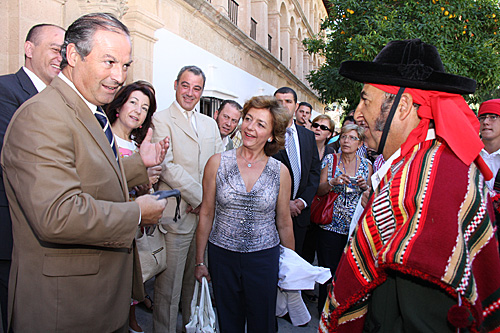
(411, 64)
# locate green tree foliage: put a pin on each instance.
(465, 32)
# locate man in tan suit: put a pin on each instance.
(73, 225)
(195, 137)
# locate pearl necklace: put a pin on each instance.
(250, 163)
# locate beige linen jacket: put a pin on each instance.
(184, 164)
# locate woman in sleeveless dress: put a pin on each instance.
(244, 217)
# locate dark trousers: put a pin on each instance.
(245, 288)
(406, 304)
(299, 233)
(310, 243)
(330, 248)
(4, 286)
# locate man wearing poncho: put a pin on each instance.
(424, 256)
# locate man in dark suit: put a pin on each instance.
(72, 222)
(42, 58)
(302, 160)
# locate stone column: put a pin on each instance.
(285, 44)
(142, 25)
(274, 30)
(293, 54)
(259, 14)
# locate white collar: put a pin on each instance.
(182, 109)
(37, 82)
(91, 106)
(485, 153)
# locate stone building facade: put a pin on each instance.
(245, 47)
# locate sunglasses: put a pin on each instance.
(323, 127)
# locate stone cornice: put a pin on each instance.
(143, 23)
(244, 41)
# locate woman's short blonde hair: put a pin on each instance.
(280, 117)
(353, 127)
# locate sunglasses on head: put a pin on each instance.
(323, 127)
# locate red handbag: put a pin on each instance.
(322, 206)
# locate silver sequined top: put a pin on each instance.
(245, 221)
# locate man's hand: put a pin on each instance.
(195, 211)
(154, 174)
(364, 198)
(151, 209)
(153, 154)
(296, 207)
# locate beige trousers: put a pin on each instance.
(178, 279)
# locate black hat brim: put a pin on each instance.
(388, 74)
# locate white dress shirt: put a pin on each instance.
(39, 84)
(493, 162)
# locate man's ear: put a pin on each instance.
(28, 49)
(405, 106)
(175, 85)
(216, 114)
(72, 55)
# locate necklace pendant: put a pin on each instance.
(249, 165)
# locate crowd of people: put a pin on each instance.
(410, 244)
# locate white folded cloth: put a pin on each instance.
(296, 274)
(291, 301)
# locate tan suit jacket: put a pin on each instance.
(73, 225)
(185, 161)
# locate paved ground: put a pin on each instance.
(144, 318)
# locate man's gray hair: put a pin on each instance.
(81, 33)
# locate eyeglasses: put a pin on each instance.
(323, 127)
(349, 137)
(491, 117)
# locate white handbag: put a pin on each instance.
(202, 313)
(152, 251)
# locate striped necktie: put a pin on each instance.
(103, 120)
(294, 159)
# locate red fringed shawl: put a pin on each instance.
(428, 219)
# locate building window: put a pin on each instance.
(208, 105)
(233, 11)
(269, 43)
(281, 53)
(253, 28)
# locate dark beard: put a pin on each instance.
(380, 121)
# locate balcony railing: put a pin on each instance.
(233, 11)
(253, 28)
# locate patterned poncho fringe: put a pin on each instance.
(429, 219)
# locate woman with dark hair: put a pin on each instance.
(244, 217)
(130, 116)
